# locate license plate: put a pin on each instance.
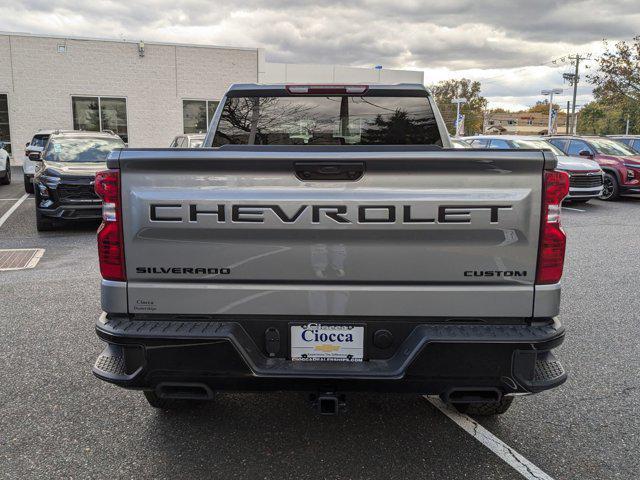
(327, 343)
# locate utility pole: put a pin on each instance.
(567, 120)
(626, 132)
(576, 78)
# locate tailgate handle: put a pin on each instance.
(349, 171)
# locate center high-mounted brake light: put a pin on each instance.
(326, 89)
(110, 238)
(552, 238)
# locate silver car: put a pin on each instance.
(188, 140)
(586, 176)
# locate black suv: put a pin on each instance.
(64, 182)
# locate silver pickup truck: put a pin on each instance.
(327, 239)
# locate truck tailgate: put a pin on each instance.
(418, 233)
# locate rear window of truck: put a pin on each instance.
(330, 120)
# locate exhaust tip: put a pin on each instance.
(184, 391)
(472, 395)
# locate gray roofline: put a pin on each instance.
(372, 86)
(116, 40)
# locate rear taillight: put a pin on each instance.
(552, 238)
(110, 239)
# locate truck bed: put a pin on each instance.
(415, 232)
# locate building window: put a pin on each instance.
(4, 123)
(196, 115)
(96, 114)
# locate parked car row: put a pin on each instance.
(603, 167)
(621, 164)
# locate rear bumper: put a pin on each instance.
(431, 359)
(578, 193)
(73, 211)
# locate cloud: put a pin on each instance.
(454, 36)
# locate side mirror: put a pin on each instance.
(585, 153)
(35, 156)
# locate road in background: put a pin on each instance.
(57, 420)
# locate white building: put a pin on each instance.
(146, 92)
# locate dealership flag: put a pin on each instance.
(554, 122)
(460, 125)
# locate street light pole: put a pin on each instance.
(550, 93)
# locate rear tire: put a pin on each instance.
(28, 184)
(169, 403)
(6, 180)
(611, 189)
(485, 409)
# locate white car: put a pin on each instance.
(37, 144)
(585, 175)
(5, 166)
(188, 140)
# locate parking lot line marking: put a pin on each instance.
(574, 209)
(520, 464)
(13, 208)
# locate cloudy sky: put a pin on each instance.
(509, 46)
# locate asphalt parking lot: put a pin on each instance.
(58, 421)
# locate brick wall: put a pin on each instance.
(154, 85)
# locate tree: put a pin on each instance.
(618, 75)
(616, 90)
(445, 91)
(600, 118)
(542, 106)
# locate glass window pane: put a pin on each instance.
(331, 120)
(502, 144)
(114, 116)
(85, 114)
(480, 143)
(194, 116)
(81, 149)
(576, 146)
(560, 143)
(4, 123)
(39, 141)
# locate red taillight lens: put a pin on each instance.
(110, 239)
(552, 238)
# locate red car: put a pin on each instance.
(620, 164)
